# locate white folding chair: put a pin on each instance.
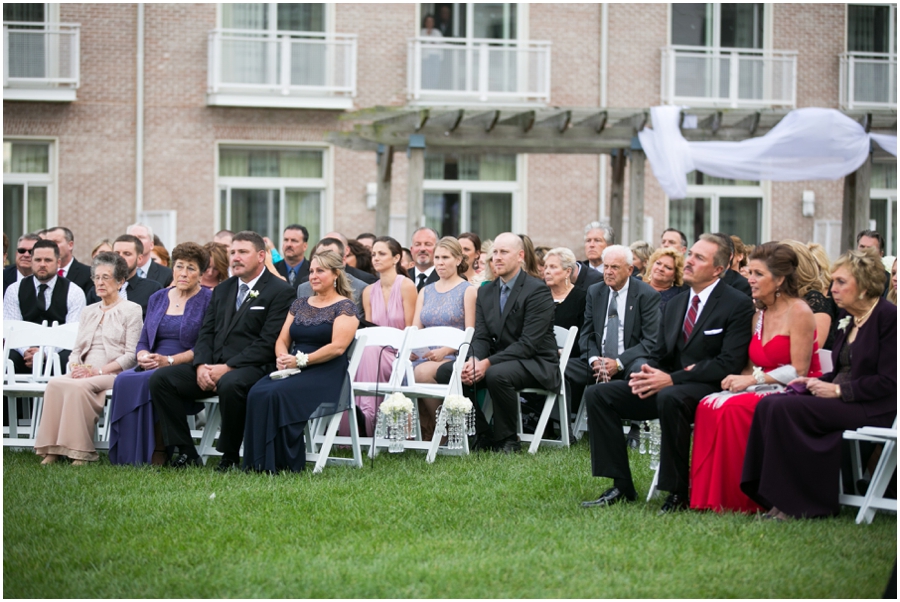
(825, 360)
(325, 429)
(874, 499)
(436, 336)
(565, 340)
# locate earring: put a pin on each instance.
(862, 296)
(777, 293)
(334, 284)
(567, 281)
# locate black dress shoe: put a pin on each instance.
(226, 464)
(481, 442)
(674, 503)
(634, 437)
(611, 496)
(183, 461)
(510, 446)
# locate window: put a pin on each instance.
(722, 25)
(869, 68)
(719, 205)
(42, 55)
(266, 189)
(883, 203)
(27, 187)
(474, 193)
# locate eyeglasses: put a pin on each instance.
(23, 251)
(103, 278)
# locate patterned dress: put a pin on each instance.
(443, 309)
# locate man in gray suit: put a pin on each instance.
(514, 345)
(616, 337)
(333, 244)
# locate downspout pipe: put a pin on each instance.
(139, 119)
(604, 80)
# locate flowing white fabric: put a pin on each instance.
(808, 144)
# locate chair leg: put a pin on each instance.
(652, 493)
(210, 430)
(542, 423)
(878, 485)
(324, 452)
(439, 429)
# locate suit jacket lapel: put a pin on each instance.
(630, 301)
(675, 330)
(260, 284)
(600, 310)
(230, 299)
(510, 301)
(708, 308)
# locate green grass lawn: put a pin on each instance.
(476, 527)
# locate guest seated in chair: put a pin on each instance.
(174, 316)
(783, 346)
(448, 302)
(314, 339)
(108, 333)
(793, 453)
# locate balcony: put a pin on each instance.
(743, 78)
(41, 61)
(283, 69)
(481, 72)
(868, 80)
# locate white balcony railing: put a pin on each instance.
(41, 61)
(481, 71)
(729, 77)
(868, 80)
(287, 69)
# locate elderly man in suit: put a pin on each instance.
(235, 348)
(147, 268)
(596, 238)
(69, 267)
(294, 266)
(514, 345)
(704, 337)
(621, 320)
(22, 267)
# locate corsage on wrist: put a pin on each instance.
(302, 359)
(759, 375)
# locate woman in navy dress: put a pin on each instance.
(174, 316)
(323, 327)
(793, 454)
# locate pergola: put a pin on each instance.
(576, 130)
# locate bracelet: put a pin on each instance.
(302, 359)
(759, 375)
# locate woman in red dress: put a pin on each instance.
(783, 347)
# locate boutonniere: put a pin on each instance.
(842, 324)
(254, 294)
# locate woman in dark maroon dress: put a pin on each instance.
(794, 451)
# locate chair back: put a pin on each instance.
(565, 340)
(33, 336)
(386, 336)
(825, 360)
(436, 336)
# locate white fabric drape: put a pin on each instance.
(808, 144)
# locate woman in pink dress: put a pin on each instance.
(391, 301)
(783, 346)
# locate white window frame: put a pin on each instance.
(325, 184)
(768, 25)
(272, 17)
(715, 192)
(522, 18)
(48, 179)
(889, 195)
(465, 188)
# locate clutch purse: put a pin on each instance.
(279, 374)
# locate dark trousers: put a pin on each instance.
(610, 403)
(171, 387)
(502, 381)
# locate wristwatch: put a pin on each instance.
(171, 360)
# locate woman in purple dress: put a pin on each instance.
(793, 454)
(174, 316)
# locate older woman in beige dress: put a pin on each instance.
(108, 334)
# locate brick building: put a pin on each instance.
(197, 117)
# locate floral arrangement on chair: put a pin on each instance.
(456, 419)
(396, 421)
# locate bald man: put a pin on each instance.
(514, 344)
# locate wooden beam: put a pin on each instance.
(383, 196)
(616, 192)
(636, 196)
(414, 191)
(855, 212)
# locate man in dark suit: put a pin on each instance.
(358, 274)
(596, 238)
(514, 345)
(424, 241)
(294, 266)
(704, 337)
(22, 268)
(730, 277)
(585, 277)
(616, 339)
(136, 289)
(235, 348)
(69, 267)
(147, 268)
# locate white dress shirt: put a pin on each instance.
(74, 302)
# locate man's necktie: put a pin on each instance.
(504, 295)
(60, 273)
(611, 340)
(292, 275)
(421, 283)
(41, 301)
(242, 294)
(691, 317)
(140, 272)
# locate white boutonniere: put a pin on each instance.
(842, 324)
(302, 359)
(254, 294)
